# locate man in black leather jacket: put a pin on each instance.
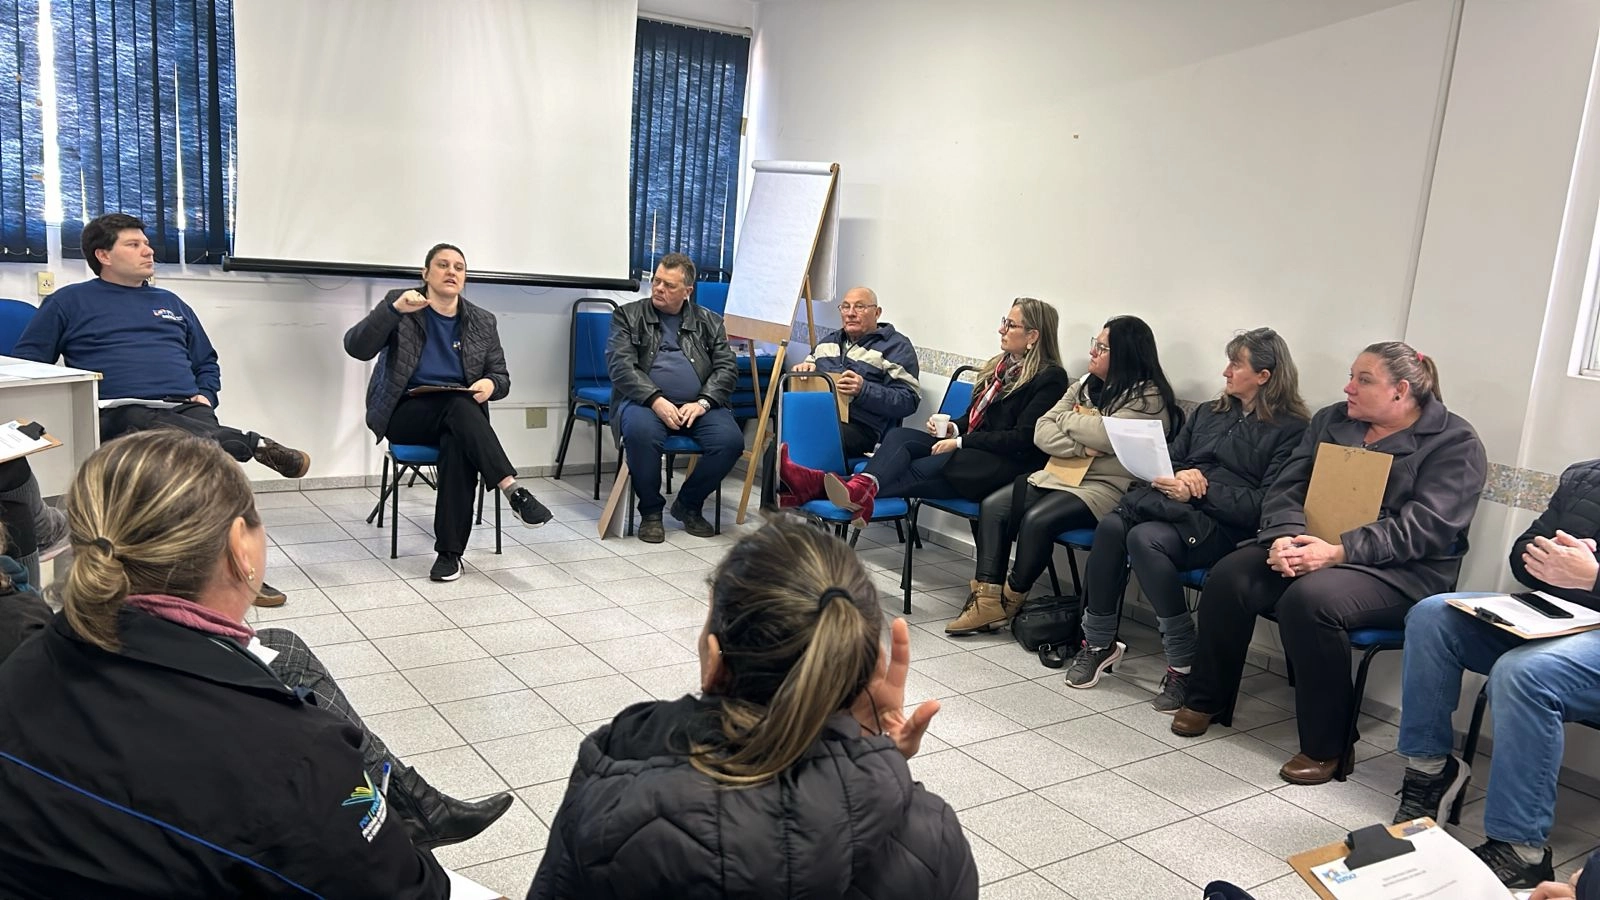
(672, 372)
(1535, 686)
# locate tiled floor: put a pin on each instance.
(488, 683)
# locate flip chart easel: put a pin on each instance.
(787, 252)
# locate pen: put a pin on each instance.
(1487, 615)
(383, 787)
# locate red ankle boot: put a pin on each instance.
(855, 495)
(800, 483)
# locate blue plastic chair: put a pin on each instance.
(1074, 540)
(957, 397)
(675, 445)
(588, 378)
(414, 457)
(713, 296)
(808, 421)
(14, 318)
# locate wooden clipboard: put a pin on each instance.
(821, 383)
(51, 445)
(1346, 490)
(1466, 606)
(611, 515)
(1069, 470)
(1304, 862)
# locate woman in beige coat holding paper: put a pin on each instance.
(1083, 480)
(1319, 590)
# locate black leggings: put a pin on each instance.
(1043, 515)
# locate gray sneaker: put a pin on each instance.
(51, 529)
(1085, 669)
(1174, 687)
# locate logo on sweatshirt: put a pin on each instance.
(169, 315)
(377, 809)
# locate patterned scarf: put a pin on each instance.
(1006, 374)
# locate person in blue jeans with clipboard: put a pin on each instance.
(1535, 686)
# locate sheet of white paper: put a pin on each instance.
(1141, 446)
(21, 368)
(1529, 620)
(1441, 868)
(464, 888)
(135, 401)
(14, 443)
(261, 651)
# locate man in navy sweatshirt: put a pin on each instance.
(158, 368)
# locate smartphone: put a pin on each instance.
(1541, 605)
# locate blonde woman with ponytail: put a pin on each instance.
(788, 776)
(154, 745)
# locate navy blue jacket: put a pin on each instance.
(887, 364)
(144, 341)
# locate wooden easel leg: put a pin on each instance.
(758, 447)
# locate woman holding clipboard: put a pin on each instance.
(1318, 589)
(439, 362)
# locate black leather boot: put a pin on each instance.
(435, 820)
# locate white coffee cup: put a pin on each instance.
(941, 425)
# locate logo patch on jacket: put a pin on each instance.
(377, 808)
(169, 315)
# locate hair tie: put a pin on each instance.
(105, 545)
(829, 594)
(1420, 357)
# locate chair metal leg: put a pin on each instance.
(899, 532)
(1072, 562)
(1347, 759)
(855, 533)
(484, 485)
(394, 513)
(383, 495)
(669, 473)
(1469, 749)
(497, 536)
(1055, 582)
(905, 561)
(627, 528)
(566, 436)
(597, 429)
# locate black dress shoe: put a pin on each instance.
(693, 521)
(434, 819)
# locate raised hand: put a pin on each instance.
(881, 707)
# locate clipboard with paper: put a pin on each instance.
(1507, 613)
(19, 438)
(1409, 861)
(1346, 490)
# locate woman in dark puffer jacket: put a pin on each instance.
(1224, 458)
(788, 777)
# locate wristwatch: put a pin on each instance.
(704, 403)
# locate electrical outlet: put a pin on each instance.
(47, 283)
(537, 417)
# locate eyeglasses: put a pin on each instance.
(1007, 325)
(1096, 348)
(854, 307)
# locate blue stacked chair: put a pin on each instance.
(588, 379)
(413, 457)
(14, 318)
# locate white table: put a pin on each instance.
(66, 401)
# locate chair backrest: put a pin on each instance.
(712, 295)
(957, 394)
(590, 329)
(14, 318)
(808, 421)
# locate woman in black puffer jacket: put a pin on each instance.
(788, 777)
(1224, 458)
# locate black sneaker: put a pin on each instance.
(1431, 795)
(693, 521)
(286, 461)
(651, 531)
(528, 508)
(1174, 688)
(1510, 869)
(1085, 669)
(446, 568)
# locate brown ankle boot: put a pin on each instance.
(1011, 600)
(984, 612)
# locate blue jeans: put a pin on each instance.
(1534, 686)
(717, 434)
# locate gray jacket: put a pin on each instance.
(636, 336)
(1435, 481)
(397, 338)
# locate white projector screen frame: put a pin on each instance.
(370, 130)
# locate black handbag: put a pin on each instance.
(1050, 626)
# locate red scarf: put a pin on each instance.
(190, 614)
(1005, 375)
